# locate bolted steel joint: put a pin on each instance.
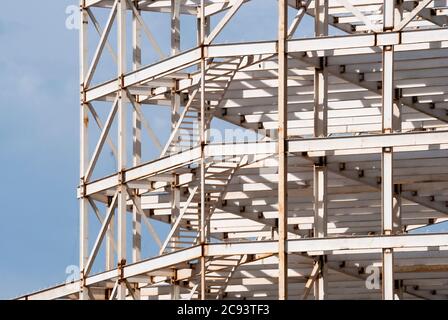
(121, 177)
(120, 269)
(121, 82)
(83, 278)
(83, 189)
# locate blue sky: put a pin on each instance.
(39, 136)
(39, 143)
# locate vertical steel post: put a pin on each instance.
(122, 112)
(175, 27)
(175, 211)
(84, 147)
(136, 142)
(203, 214)
(320, 131)
(175, 49)
(136, 137)
(321, 73)
(320, 224)
(110, 243)
(387, 190)
(282, 151)
(397, 224)
(397, 127)
(175, 108)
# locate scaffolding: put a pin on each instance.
(348, 163)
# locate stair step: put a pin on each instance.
(217, 71)
(227, 262)
(215, 287)
(221, 64)
(216, 277)
(214, 188)
(224, 176)
(222, 264)
(230, 165)
(219, 77)
(225, 68)
(213, 178)
(220, 169)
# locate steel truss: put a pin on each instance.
(352, 157)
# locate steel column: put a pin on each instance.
(387, 190)
(122, 163)
(282, 151)
(320, 131)
(84, 148)
(137, 142)
(203, 213)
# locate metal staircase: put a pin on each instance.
(219, 173)
(219, 76)
(185, 231)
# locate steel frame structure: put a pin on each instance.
(352, 156)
